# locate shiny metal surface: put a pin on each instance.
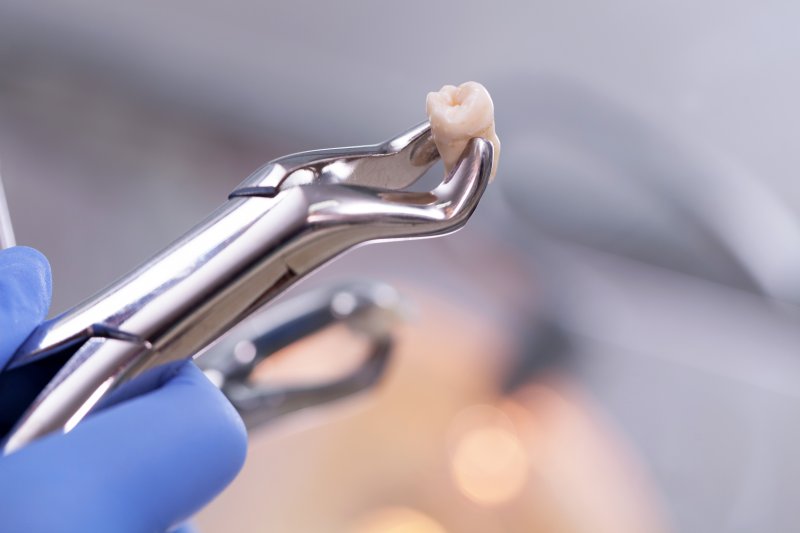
(7, 239)
(284, 221)
(368, 309)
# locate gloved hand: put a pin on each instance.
(142, 465)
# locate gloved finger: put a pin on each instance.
(25, 289)
(142, 465)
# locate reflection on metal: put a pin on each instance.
(7, 239)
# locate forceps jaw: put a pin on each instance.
(393, 164)
(344, 217)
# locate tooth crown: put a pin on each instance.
(458, 114)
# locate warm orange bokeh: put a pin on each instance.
(435, 448)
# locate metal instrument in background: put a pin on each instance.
(370, 310)
(280, 224)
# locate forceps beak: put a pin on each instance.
(393, 164)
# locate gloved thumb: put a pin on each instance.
(25, 291)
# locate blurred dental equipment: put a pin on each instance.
(589, 171)
(368, 310)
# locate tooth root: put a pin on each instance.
(457, 114)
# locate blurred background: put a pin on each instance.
(610, 345)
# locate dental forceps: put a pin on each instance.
(284, 221)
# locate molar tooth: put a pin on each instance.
(458, 114)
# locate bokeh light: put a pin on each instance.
(397, 520)
(488, 463)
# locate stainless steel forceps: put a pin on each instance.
(289, 217)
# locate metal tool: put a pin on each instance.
(368, 309)
(7, 239)
(280, 224)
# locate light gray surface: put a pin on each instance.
(704, 380)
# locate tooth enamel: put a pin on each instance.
(458, 114)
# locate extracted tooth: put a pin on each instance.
(458, 114)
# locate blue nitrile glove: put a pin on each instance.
(141, 465)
